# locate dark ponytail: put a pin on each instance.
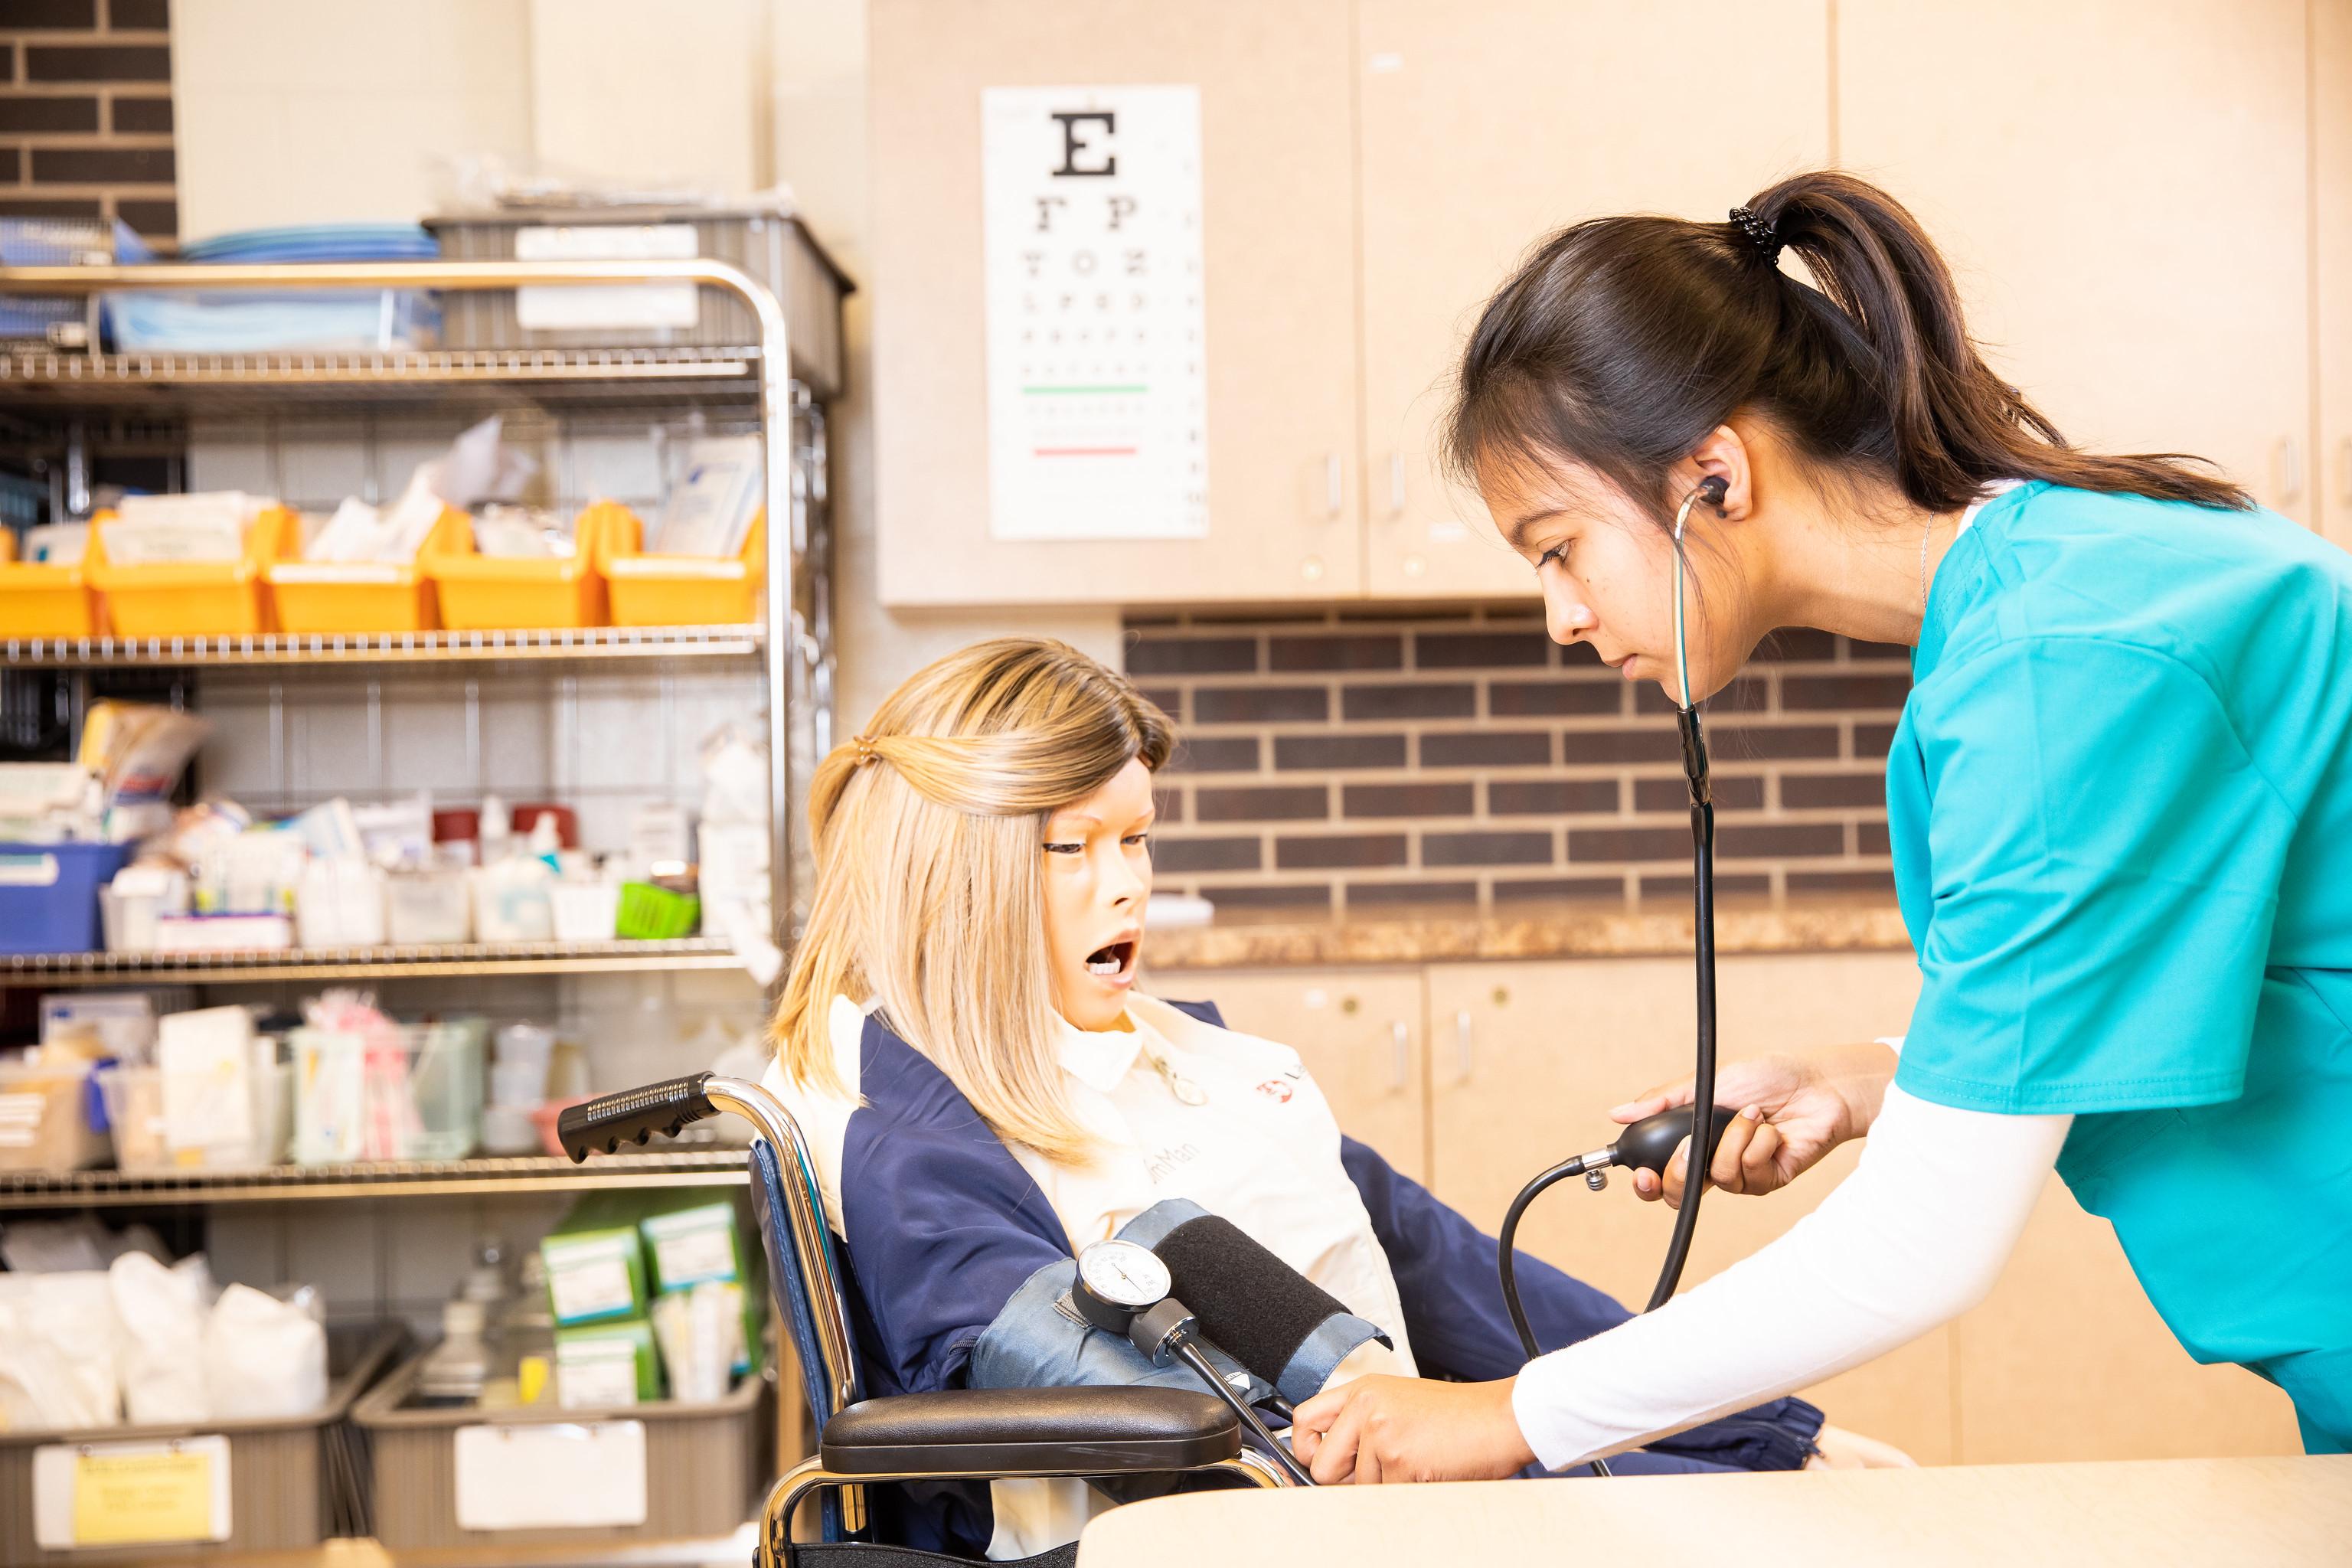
(1623, 341)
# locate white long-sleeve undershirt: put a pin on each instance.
(1914, 1237)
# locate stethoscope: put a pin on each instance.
(1649, 1144)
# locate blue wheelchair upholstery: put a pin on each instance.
(784, 1279)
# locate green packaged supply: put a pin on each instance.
(692, 1237)
(606, 1364)
(595, 1263)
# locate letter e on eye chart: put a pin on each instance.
(1097, 391)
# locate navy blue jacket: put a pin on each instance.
(943, 1226)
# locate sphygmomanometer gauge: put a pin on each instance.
(1117, 1279)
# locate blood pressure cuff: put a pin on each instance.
(1266, 1323)
(1266, 1315)
(1040, 1341)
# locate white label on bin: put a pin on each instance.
(28, 870)
(130, 1494)
(589, 1286)
(693, 1255)
(20, 1119)
(550, 1475)
(555, 309)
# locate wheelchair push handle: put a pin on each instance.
(602, 1125)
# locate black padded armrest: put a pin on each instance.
(1032, 1431)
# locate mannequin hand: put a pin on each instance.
(1839, 1449)
(1406, 1429)
(1799, 1108)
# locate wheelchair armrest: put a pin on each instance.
(1030, 1431)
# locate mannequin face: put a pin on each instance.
(1098, 881)
(1606, 568)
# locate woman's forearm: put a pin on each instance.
(1916, 1236)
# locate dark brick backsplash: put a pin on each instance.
(1340, 851)
(1261, 803)
(1395, 701)
(1553, 699)
(1485, 749)
(1334, 752)
(1459, 799)
(24, 15)
(1810, 792)
(1214, 754)
(25, 112)
(143, 116)
(1481, 650)
(1497, 770)
(1552, 797)
(1628, 843)
(1259, 704)
(1337, 653)
(1736, 792)
(1487, 848)
(86, 113)
(97, 62)
(103, 165)
(1180, 854)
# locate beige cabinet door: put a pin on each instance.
(2122, 192)
(1525, 1060)
(1278, 256)
(1359, 1032)
(1486, 126)
(2331, 76)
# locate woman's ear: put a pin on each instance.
(1723, 458)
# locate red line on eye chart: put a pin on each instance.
(1082, 451)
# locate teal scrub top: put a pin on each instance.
(2120, 808)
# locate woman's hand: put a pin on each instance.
(1798, 1108)
(1835, 1448)
(1407, 1429)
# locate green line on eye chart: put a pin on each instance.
(1068, 391)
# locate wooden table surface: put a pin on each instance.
(2212, 1513)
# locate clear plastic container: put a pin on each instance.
(407, 1091)
(585, 911)
(427, 908)
(142, 1141)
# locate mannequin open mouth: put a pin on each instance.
(1113, 963)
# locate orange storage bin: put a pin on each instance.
(332, 596)
(196, 598)
(684, 590)
(41, 600)
(488, 594)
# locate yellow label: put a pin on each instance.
(130, 1500)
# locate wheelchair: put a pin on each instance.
(959, 1435)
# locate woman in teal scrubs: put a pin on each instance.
(2119, 803)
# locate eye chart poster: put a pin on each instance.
(1097, 391)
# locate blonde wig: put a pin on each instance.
(930, 833)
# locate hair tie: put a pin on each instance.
(1761, 230)
(865, 752)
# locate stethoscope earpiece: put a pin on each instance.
(1713, 489)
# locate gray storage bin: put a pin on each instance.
(707, 1466)
(769, 245)
(293, 1483)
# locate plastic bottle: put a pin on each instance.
(526, 1347)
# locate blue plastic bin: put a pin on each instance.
(48, 895)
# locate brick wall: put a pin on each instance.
(86, 112)
(1359, 761)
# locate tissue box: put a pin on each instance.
(595, 1264)
(606, 1364)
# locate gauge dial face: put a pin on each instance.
(1124, 1273)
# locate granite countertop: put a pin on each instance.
(1559, 930)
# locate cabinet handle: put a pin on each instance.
(1462, 1057)
(2288, 463)
(1396, 484)
(1335, 495)
(1401, 1062)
